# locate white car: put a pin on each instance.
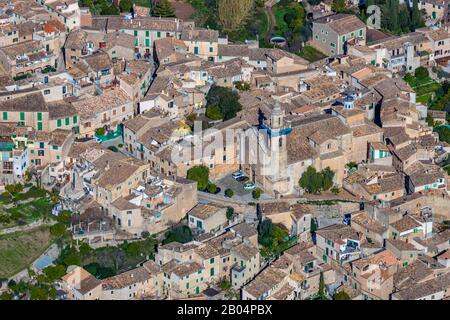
(237, 174)
(249, 186)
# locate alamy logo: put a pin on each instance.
(374, 20)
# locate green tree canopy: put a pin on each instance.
(125, 5)
(341, 295)
(314, 182)
(339, 5)
(200, 174)
(164, 9)
(230, 213)
(226, 99)
(421, 73)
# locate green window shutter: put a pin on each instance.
(75, 119)
(343, 38)
(58, 157)
(158, 34)
(67, 121)
(39, 116)
(147, 42)
(22, 116)
(211, 49)
(39, 126)
(211, 272)
(211, 260)
(55, 147)
(147, 33)
(5, 115)
(187, 285)
(136, 42)
(361, 33)
(135, 33)
(58, 123)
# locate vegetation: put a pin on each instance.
(110, 260)
(200, 174)
(214, 113)
(211, 188)
(225, 99)
(311, 54)
(315, 182)
(164, 9)
(230, 213)
(100, 7)
(242, 85)
(396, 18)
(339, 6)
(100, 132)
(113, 148)
(19, 249)
(274, 239)
(229, 193)
(341, 295)
(232, 13)
(180, 234)
(321, 294)
(256, 193)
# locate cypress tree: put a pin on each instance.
(416, 16)
(164, 9)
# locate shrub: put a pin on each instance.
(421, 73)
(214, 113)
(256, 194)
(199, 174)
(212, 188)
(113, 148)
(230, 213)
(100, 131)
(120, 145)
(145, 234)
(335, 190)
(229, 193)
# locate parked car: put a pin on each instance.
(249, 186)
(243, 179)
(237, 174)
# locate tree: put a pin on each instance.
(200, 174)
(342, 295)
(125, 5)
(404, 19)
(256, 194)
(58, 230)
(180, 234)
(314, 182)
(212, 188)
(421, 73)
(321, 294)
(327, 178)
(265, 230)
(233, 13)
(310, 180)
(417, 20)
(339, 6)
(230, 213)
(229, 193)
(214, 113)
(314, 225)
(392, 12)
(226, 99)
(164, 9)
(54, 273)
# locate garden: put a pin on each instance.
(274, 239)
(21, 205)
(18, 250)
(422, 84)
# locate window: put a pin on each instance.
(39, 126)
(58, 123)
(22, 116)
(211, 272)
(147, 33)
(361, 33)
(67, 121)
(211, 260)
(158, 34)
(47, 91)
(211, 49)
(5, 115)
(147, 42)
(55, 147)
(39, 116)
(135, 33)
(75, 119)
